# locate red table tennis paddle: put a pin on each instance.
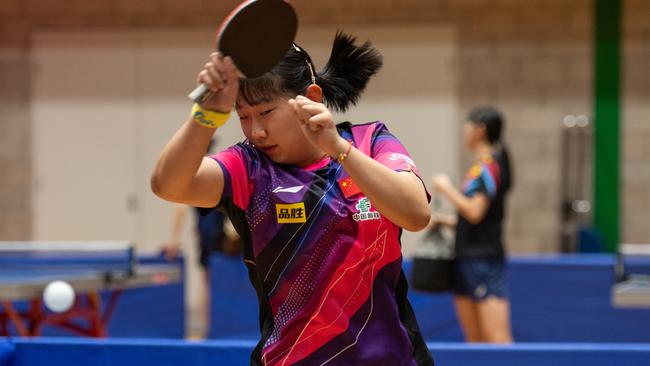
(256, 35)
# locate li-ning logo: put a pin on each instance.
(364, 213)
(281, 189)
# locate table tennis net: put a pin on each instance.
(93, 255)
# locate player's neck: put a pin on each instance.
(315, 158)
(482, 150)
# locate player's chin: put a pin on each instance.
(285, 159)
(276, 155)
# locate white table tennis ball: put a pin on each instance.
(58, 296)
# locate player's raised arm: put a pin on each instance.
(400, 196)
(182, 173)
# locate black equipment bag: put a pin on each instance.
(433, 263)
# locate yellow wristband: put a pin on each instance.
(208, 118)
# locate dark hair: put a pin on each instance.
(342, 80)
(493, 121)
(490, 118)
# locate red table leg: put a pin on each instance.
(15, 318)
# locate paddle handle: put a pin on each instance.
(198, 93)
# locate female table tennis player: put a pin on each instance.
(319, 206)
(480, 283)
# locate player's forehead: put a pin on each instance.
(242, 104)
(262, 89)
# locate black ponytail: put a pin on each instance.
(342, 80)
(347, 71)
(493, 121)
(503, 158)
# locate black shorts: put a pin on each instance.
(480, 278)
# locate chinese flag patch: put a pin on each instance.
(349, 187)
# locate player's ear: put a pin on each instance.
(315, 93)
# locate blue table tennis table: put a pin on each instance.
(26, 268)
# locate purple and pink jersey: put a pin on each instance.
(327, 267)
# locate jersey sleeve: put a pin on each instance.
(375, 140)
(483, 178)
(238, 168)
(389, 151)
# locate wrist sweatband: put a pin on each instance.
(208, 118)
